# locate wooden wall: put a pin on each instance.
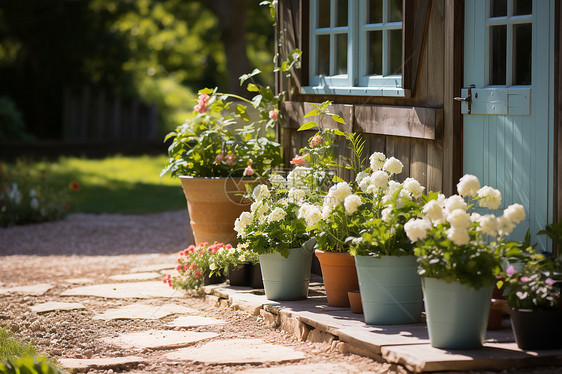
(419, 129)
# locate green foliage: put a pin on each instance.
(17, 356)
(12, 126)
(332, 231)
(553, 231)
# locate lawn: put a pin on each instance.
(128, 185)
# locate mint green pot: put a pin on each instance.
(457, 315)
(390, 289)
(286, 278)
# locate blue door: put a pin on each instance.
(508, 126)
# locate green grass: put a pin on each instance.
(11, 348)
(18, 356)
(127, 185)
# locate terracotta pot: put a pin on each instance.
(355, 302)
(213, 205)
(497, 310)
(340, 276)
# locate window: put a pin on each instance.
(356, 47)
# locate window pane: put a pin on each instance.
(497, 54)
(342, 13)
(521, 7)
(395, 11)
(341, 54)
(323, 65)
(522, 53)
(375, 11)
(395, 52)
(323, 13)
(374, 45)
(498, 8)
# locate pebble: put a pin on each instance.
(14, 327)
(35, 326)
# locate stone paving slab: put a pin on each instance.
(306, 369)
(144, 311)
(133, 290)
(194, 321)
(100, 363)
(237, 351)
(155, 267)
(494, 356)
(53, 306)
(159, 339)
(136, 276)
(33, 290)
(79, 280)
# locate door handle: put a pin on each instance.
(467, 99)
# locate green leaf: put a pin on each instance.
(338, 132)
(253, 88)
(337, 179)
(307, 126)
(207, 91)
(245, 77)
(337, 118)
(312, 113)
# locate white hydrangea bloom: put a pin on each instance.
(276, 214)
(455, 202)
(386, 214)
(505, 226)
(311, 214)
(277, 181)
(297, 177)
(441, 199)
(488, 225)
(360, 176)
(393, 166)
(416, 229)
(489, 197)
(261, 192)
(475, 217)
(459, 219)
(377, 160)
(297, 195)
(380, 180)
(339, 192)
(413, 187)
(260, 211)
(351, 203)
(515, 213)
(326, 210)
(468, 185)
(458, 235)
(434, 212)
(393, 186)
(365, 183)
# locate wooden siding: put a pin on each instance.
(419, 130)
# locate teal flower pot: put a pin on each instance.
(457, 315)
(390, 289)
(286, 278)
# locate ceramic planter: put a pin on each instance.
(240, 275)
(537, 329)
(213, 205)
(390, 287)
(340, 276)
(256, 281)
(457, 315)
(355, 302)
(214, 279)
(286, 278)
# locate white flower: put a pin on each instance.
(458, 235)
(34, 203)
(242, 258)
(413, 187)
(393, 166)
(259, 208)
(489, 197)
(505, 226)
(489, 225)
(297, 195)
(441, 199)
(276, 214)
(379, 179)
(326, 210)
(434, 212)
(360, 176)
(311, 214)
(455, 202)
(339, 192)
(393, 186)
(242, 222)
(475, 217)
(459, 219)
(365, 183)
(377, 160)
(261, 192)
(468, 185)
(386, 214)
(277, 181)
(297, 177)
(417, 229)
(212, 266)
(351, 203)
(515, 213)
(32, 193)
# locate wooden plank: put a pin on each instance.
(414, 35)
(411, 122)
(401, 150)
(435, 55)
(434, 167)
(418, 161)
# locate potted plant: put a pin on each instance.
(389, 284)
(243, 267)
(272, 229)
(533, 297)
(200, 265)
(458, 258)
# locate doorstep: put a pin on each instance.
(407, 345)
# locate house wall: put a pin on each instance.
(418, 130)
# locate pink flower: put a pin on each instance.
(219, 158)
(525, 279)
(315, 141)
(248, 171)
(549, 281)
(298, 160)
(201, 106)
(510, 270)
(231, 159)
(274, 114)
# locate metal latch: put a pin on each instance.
(467, 99)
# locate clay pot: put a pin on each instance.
(340, 276)
(355, 302)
